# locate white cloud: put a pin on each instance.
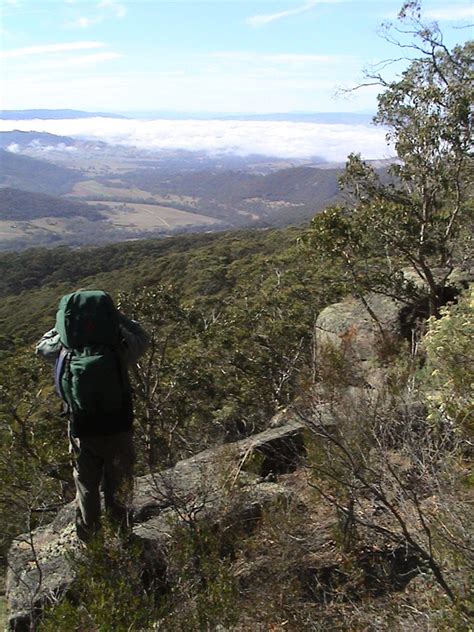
(76, 62)
(27, 64)
(83, 22)
(247, 67)
(260, 20)
(14, 148)
(275, 138)
(119, 9)
(49, 48)
(454, 13)
(100, 12)
(60, 147)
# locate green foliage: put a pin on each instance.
(203, 589)
(333, 368)
(428, 115)
(112, 589)
(167, 381)
(230, 317)
(33, 458)
(394, 481)
(108, 592)
(219, 368)
(32, 282)
(450, 365)
(413, 218)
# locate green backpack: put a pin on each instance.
(90, 375)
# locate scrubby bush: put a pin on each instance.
(450, 365)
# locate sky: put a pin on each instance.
(195, 57)
(225, 56)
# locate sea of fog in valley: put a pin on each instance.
(286, 139)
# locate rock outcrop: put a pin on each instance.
(360, 330)
(364, 330)
(229, 482)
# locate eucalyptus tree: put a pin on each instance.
(413, 216)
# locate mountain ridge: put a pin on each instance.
(22, 115)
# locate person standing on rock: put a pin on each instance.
(91, 345)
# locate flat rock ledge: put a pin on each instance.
(229, 483)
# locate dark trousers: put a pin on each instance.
(106, 460)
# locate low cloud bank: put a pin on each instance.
(283, 139)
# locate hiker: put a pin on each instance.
(91, 345)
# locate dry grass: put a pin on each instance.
(88, 188)
(91, 187)
(151, 216)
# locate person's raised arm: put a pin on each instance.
(136, 340)
(49, 346)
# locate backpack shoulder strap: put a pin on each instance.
(60, 367)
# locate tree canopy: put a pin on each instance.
(413, 217)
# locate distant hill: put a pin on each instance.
(24, 205)
(296, 184)
(304, 185)
(23, 139)
(22, 115)
(347, 118)
(280, 198)
(330, 118)
(31, 174)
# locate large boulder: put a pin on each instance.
(453, 279)
(367, 330)
(362, 330)
(216, 485)
(359, 325)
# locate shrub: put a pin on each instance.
(450, 365)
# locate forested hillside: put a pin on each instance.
(16, 204)
(38, 175)
(357, 328)
(303, 185)
(206, 270)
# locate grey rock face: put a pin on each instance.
(213, 485)
(359, 327)
(350, 323)
(359, 331)
(457, 278)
